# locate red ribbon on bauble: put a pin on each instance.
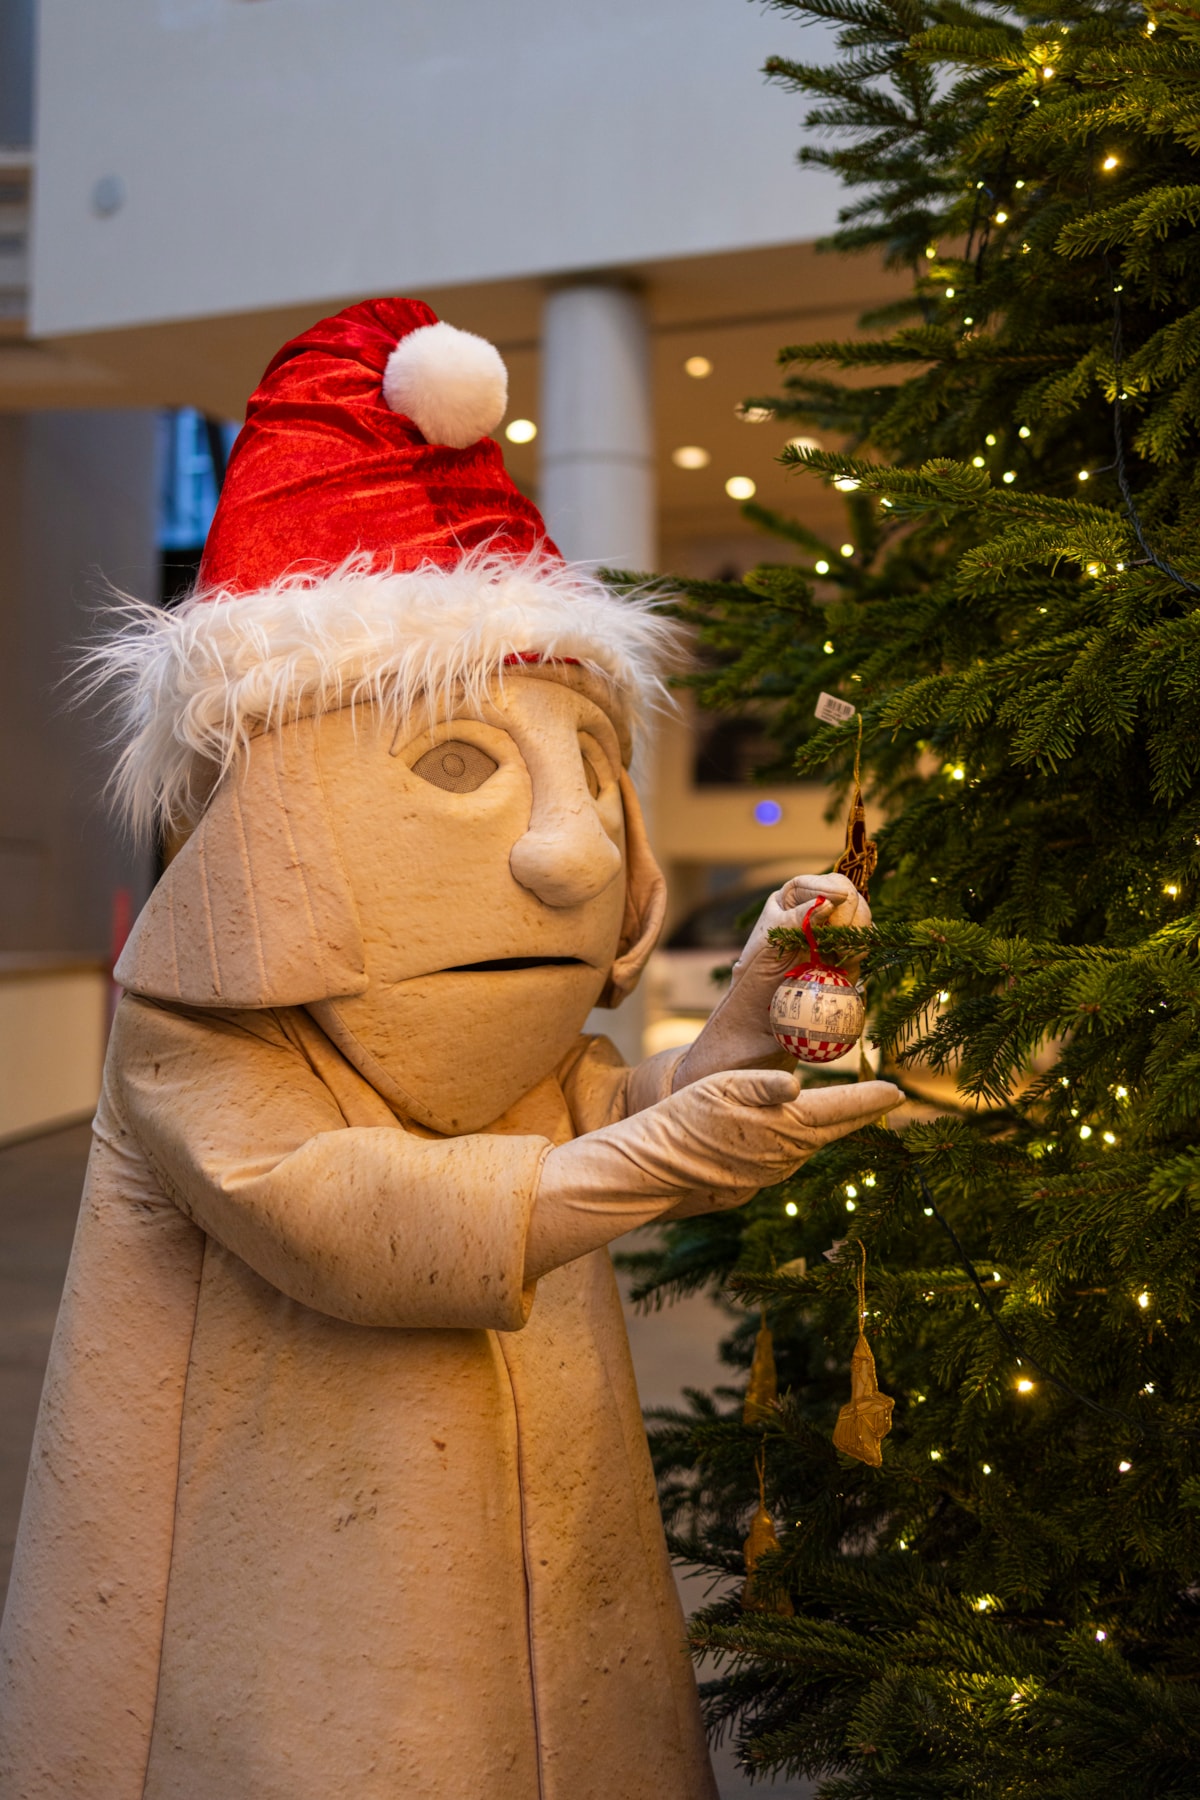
(817, 1011)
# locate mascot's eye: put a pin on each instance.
(458, 767)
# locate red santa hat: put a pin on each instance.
(369, 545)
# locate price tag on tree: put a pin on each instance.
(833, 711)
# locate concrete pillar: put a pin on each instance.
(597, 473)
(597, 425)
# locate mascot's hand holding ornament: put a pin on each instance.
(340, 1483)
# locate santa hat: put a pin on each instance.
(368, 545)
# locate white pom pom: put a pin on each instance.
(451, 384)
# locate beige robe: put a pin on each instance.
(324, 1501)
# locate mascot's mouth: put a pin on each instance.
(517, 962)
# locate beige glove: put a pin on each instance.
(738, 1033)
(708, 1147)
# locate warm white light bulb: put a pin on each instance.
(847, 549)
(1010, 475)
(1110, 162)
(827, 646)
(821, 568)
(698, 367)
(1024, 1385)
(949, 293)
(520, 431)
(977, 462)
(846, 484)
(791, 1209)
(690, 456)
(753, 415)
(740, 487)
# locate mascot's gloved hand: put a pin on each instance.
(738, 1034)
(709, 1146)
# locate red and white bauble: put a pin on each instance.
(817, 1012)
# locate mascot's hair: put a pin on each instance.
(189, 687)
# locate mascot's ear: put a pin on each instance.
(645, 903)
(255, 910)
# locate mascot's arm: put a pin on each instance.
(375, 1226)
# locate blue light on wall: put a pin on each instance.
(768, 812)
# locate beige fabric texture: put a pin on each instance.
(318, 1504)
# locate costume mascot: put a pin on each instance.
(340, 1485)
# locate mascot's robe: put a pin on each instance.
(324, 1499)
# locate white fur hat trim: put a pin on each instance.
(451, 384)
(190, 687)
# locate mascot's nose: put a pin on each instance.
(566, 856)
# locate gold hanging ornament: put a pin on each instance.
(858, 861)
(866, 1418)
(859, 857)
(764, 1384)
(762, 1537)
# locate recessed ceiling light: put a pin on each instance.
(753, 415)
(698, 367)
(740, 487)
(690, 456)
(520, 431)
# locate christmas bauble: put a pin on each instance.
(817, 1013)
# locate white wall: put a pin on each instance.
(284, 151)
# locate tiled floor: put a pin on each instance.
(40, 1182)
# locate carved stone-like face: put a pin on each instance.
(486, 855)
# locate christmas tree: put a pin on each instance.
(1010, 1605)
